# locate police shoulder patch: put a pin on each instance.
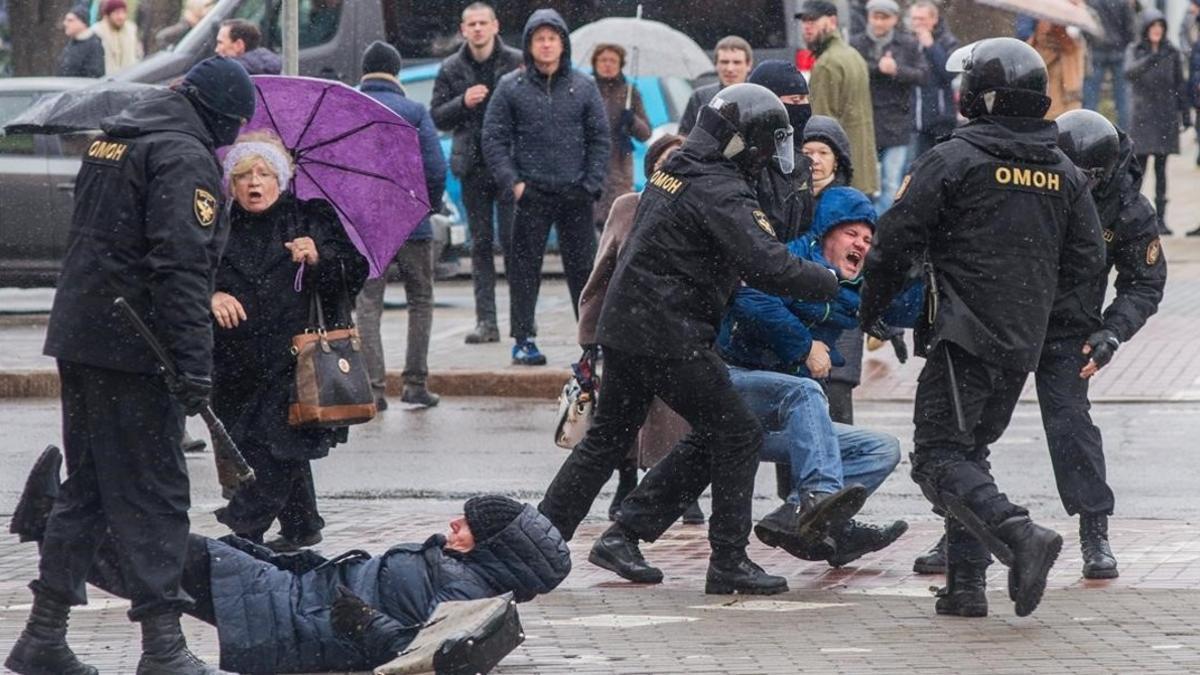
(204, 205)
(1153, 252)
(903, 188)
(106, 151)
(763, 222)
(667, 183)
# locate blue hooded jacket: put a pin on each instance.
(768, 332)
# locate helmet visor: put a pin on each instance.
(960, 59)
(785, 150)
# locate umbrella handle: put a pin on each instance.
(634, 72)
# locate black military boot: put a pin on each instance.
(932, 561)
(617, 551)
(965, 592)
(736, 573)
(42, 648)
(801, 526)
(1098, 559)
(855, 539)
(165, 652)
(1034, 550)
(41, 487)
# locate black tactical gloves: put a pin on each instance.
(1100, 347)
(191, 392)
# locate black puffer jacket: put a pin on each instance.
(549, 132)
(82, 57)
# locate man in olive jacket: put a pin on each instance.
(841, 89)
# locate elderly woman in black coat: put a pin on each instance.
(1154, 68)
(281, 251)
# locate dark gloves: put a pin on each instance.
(878, 329)
(1100, 347)
(899, 346)
(190, 391)
(349, 615)
(625, 122)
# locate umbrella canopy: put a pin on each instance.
(662, 50)
(352, 151)
(1062, 12)
(77, 109)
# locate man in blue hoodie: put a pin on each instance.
(777, 348)
(380, 64)
(546, 139)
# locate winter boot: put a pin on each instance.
(965, 592)
(694, 515)
(419, 394)
(736, 573)
(42, 648)
(41, 488)
(165, 652)
(1034, 550)
(484, 332)
(800, 526)
(627, 479)
(617, 551)
(1098, 559)
(932, 561)
(855, 539)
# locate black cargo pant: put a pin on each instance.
(1076, 448)
(482, 199)
(281, 489)
(126, 476)
(948, 463)
(196, 578)
(571, 212)
(722, 449)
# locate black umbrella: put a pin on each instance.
(78, 109)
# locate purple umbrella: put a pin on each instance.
(354, 152)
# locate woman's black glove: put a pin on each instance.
(349, 615)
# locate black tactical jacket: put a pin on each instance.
(148, 226)
(1133, 247)
(1002, 215)
(699, 230)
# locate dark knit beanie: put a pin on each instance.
(81, 12)
(656, 150)
(380, 57)
(223, 86)
(780, 77)
(489, 514)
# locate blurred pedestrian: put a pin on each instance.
(148, 227)
(934, 112)
(241, 40)
(625, 123)
(119, 34)
(461, 92)
(1161, 103)
(414, 260)
(1065, 54)
(1107, 55)
(554, 167)
(733, 59)
(193, 11)
(896, 69)
(256, 310)
(841, 88)
(83, 56)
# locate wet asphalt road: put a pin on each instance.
(467, 446)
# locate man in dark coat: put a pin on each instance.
(733, 58)
(241, 40)
(897, 68)
(999, 217)
(699, 231)
(84, 54)
(461, 92)
(934, 112)
(148, 228)
(303, 613)
(546, 140)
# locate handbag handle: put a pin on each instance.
(316, 314)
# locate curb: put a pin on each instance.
(544, 383)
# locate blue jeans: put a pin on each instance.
(893, 162)
(1112, 61)
(824, 456)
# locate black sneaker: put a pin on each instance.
(1034, 550)
(1098, 559)
(857, 539)
(932, 561)
(419, 394)
(965, 592)
(801, 526)
(619, 554)
(484, 332)
(741, 575)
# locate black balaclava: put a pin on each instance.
(783, 79)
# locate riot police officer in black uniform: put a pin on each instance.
(699, 230)
(148, 227)
(1000, 218)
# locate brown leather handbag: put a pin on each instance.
(332, 388)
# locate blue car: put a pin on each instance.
(663, 97)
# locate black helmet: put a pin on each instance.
(1001, 76)
(751, 125)
(1091, 142)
